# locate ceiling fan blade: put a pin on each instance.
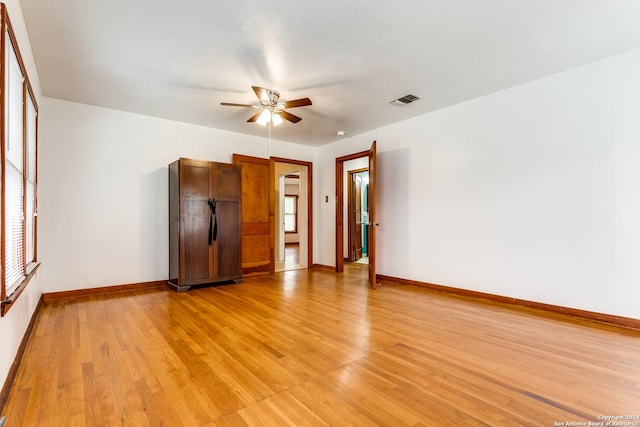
(261, 93)
(254, 118)
(233, 104)
(297, 103)
(288, 116)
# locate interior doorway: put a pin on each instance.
(293, 238)
(358, 216)
(371, 158)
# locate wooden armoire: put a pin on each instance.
(204, 223)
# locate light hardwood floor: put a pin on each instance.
(291, 258)
(311, 347)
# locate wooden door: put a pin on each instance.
(373, 225)
(258, 215)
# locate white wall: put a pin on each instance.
(14, 324)
(103, 191)
(532, 192)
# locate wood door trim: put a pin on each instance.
(358, 170)
(309, 166)
(340, 205)
(249, 159)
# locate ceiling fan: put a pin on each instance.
(271, 108)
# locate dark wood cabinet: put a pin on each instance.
(204, 223)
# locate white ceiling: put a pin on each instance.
(179, 59)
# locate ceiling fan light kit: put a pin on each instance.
(276, 119)
(272, 110)
(264, 117)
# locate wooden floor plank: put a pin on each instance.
(312, 347)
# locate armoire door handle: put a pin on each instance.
(213, 223)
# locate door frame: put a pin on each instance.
(340, 205)
(309, 166)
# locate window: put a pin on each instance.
(290, 214)
(19, 163)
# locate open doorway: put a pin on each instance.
(358, 215)
(293, 214)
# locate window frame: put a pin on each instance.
(9, 292)
(295, 214)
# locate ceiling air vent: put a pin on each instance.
(407, 99)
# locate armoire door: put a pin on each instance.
(227, 247)
(195, 186)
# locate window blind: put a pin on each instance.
(14, 167)
(30, 198)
